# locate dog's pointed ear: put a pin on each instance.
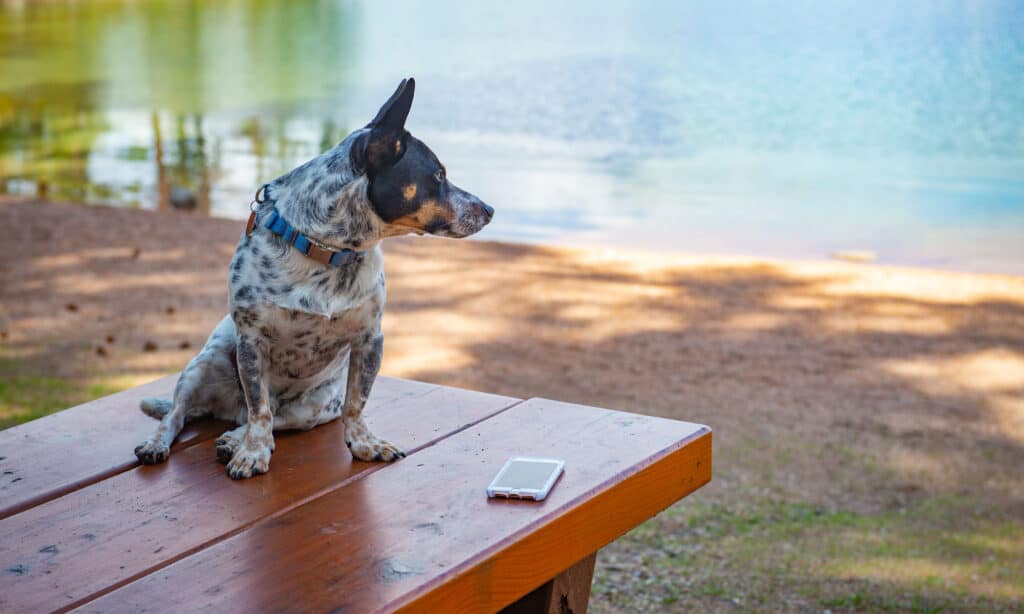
(384, 144)
(393, 114)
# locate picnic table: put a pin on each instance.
(84, 527)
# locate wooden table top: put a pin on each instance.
(84, 526)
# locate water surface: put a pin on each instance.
(790, 129)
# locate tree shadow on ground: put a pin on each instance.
(865, 418)
(859, 391)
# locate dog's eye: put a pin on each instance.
(439, 175)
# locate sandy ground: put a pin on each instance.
(848, 400)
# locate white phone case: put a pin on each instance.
(496, 489)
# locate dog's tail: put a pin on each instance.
(155, 408)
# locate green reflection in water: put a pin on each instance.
(164, 90)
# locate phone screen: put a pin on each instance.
(526, 474)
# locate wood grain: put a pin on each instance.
(84, 543)
(420, 535)
(59, 453)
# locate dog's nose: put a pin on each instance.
(488, 211)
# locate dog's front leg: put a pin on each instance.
(363, 365)
(253, 453)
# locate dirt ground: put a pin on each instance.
(869, 420)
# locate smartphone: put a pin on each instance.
(526, 478)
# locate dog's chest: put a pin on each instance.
(302, 345)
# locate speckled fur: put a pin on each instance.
(302, 343)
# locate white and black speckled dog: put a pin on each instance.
(302, 344)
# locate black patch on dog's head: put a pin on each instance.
(404, 173)
(408, 185)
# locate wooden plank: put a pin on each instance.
(566, 593)
(46, 458)
(77, 546)
(56, 454)
(421, 535)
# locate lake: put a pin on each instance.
(782, 129)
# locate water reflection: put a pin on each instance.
(782, 129)
(132, 103)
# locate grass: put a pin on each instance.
(941, 555)
(27, 397)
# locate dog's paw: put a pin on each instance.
(249, 461)
(152, 452)
(226, 446)
(371, 448)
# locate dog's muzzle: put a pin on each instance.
(471, 214)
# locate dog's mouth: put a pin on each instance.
(459, 216)
(466, 225)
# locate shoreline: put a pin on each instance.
(852, 255)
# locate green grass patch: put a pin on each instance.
(939, 555)
(27, 397)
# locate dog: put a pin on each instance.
(302, 342)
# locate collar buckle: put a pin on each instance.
(321, 255)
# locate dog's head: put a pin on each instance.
(409, 188)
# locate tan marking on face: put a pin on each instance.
(428, 213)
(398, 147)
(409, 191)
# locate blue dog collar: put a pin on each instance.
(278, 225)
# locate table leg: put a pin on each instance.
(566, 593)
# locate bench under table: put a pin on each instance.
(84, 527)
